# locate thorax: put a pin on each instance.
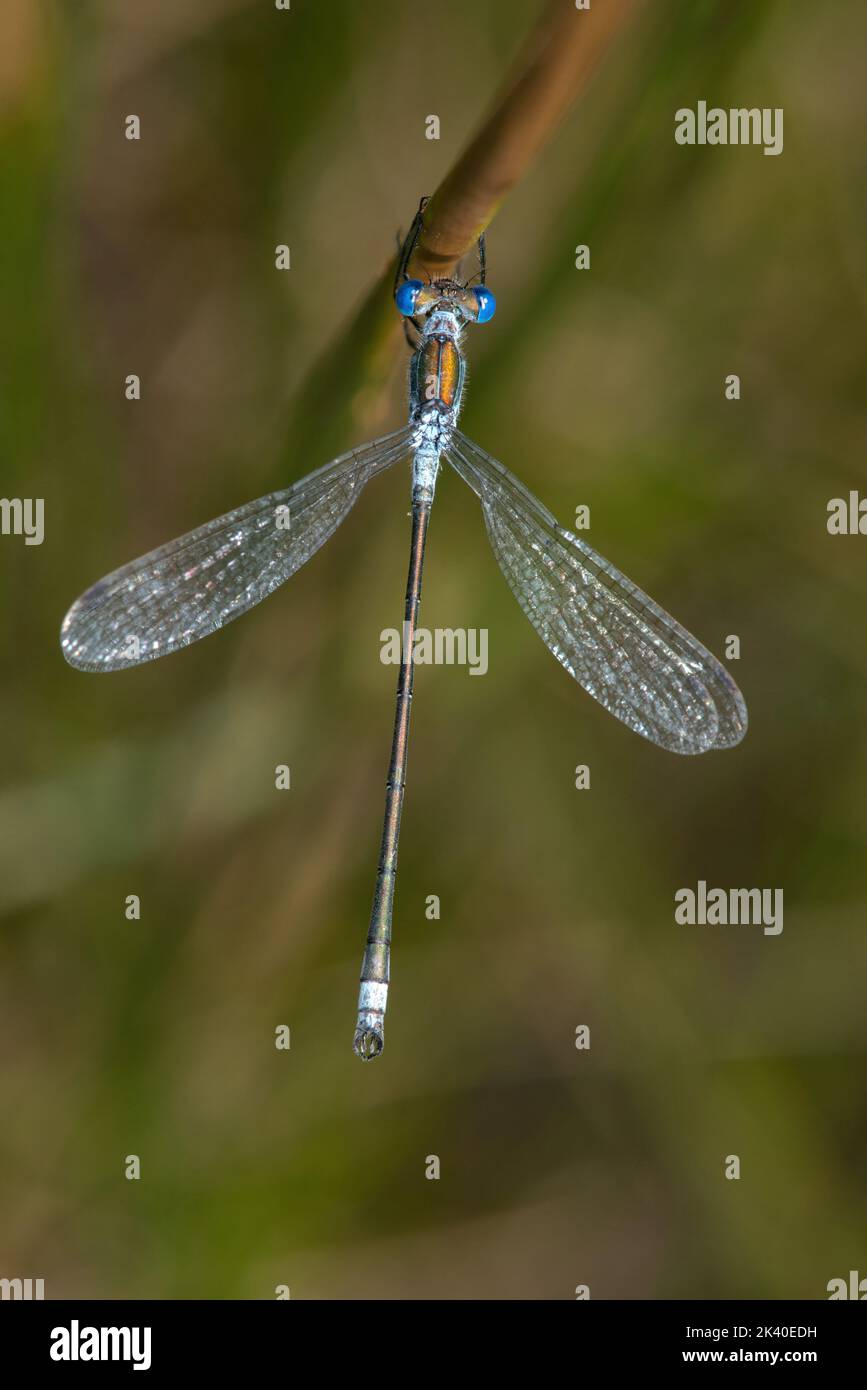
(437, 370)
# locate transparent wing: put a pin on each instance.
(201, 581)
(622, 647)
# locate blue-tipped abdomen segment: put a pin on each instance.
(406, 295)
(487, 303)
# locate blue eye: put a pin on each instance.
(487, 304)
(406, 296)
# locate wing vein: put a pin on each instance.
(190, 587)
(620, 645)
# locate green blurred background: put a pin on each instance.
(605, 387)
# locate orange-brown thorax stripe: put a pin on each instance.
(439, 371)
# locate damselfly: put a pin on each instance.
(616, 642)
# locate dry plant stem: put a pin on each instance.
(553, 68)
